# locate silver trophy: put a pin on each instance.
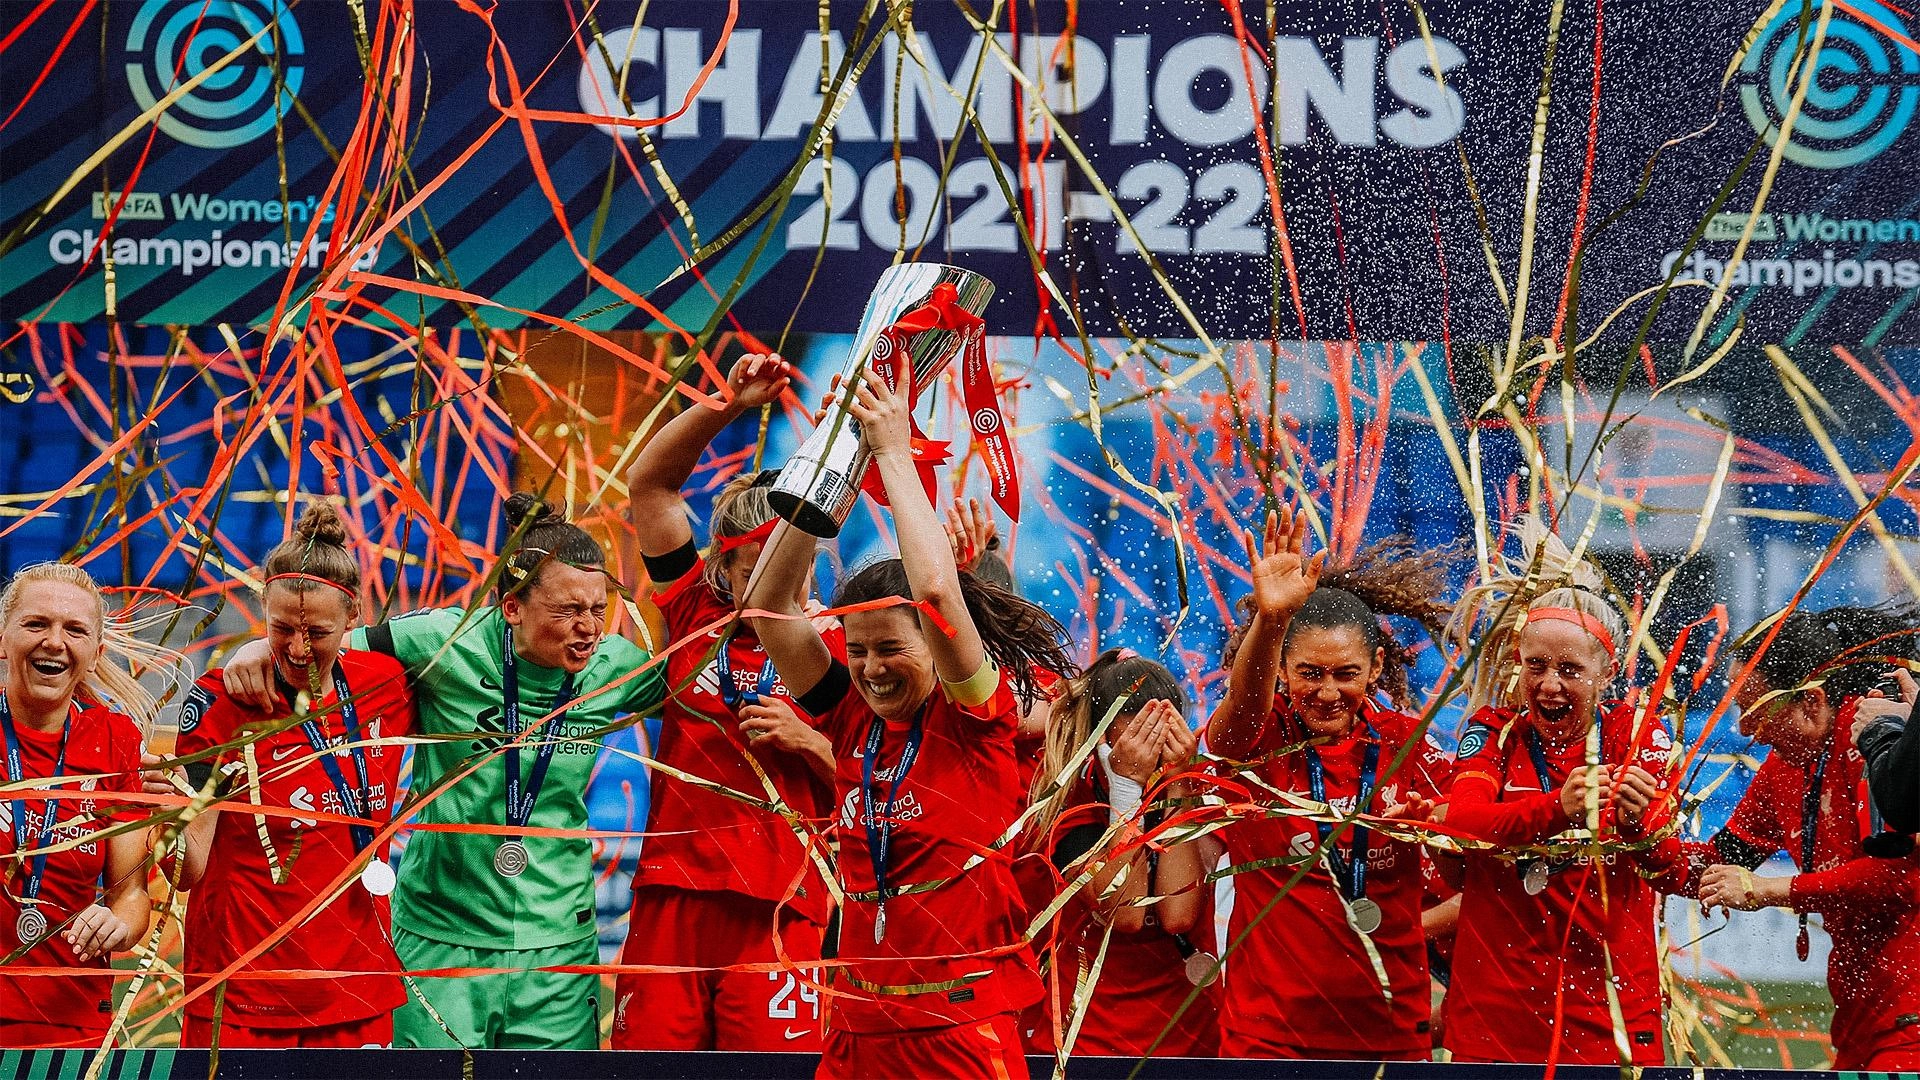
(819, 485)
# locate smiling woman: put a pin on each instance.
(60, 651)
(1552, 960)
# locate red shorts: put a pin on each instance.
(1897, 1059)
(1236, 1044)
(20, 1035)
(375, 1031)
(985, 1049)
(715, 1009)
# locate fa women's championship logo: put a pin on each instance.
(1864, 89)
(172, 41)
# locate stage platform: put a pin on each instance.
(622, 1065)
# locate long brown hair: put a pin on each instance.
(318, 547)
(1019, 635)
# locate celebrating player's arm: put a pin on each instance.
(1283, 576)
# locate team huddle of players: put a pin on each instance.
(906, 830)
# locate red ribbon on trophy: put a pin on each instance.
(942, 311)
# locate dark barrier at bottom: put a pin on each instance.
(622, 1065)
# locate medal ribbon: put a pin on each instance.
(891, 360)
(1350, 870)
(16, 772)
(1810, 838)
(519, 804)
(354, 798)
(880, 823)
(731, 695)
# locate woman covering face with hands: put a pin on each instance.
(1333, 964)
(1544, 946)
(1094, 821)
(922, 715)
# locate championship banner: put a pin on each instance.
(717, 158)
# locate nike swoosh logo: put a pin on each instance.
(280, 752)
(1523, 790)
(791, 1034)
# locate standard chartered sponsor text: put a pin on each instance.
(188, 254)
(1800, 274)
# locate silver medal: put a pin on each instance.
(1202, 968)
(1534, 879)
(1364, 916)
(377, 878)
(880, 924)
(31, 926)
(510, 859)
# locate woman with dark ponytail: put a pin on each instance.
(1334, 966)
(521, 903)
(1800, 687)
(326, 744)
(1153, 956)
(923, 716)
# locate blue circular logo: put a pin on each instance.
(1864, 89)
(172, 41)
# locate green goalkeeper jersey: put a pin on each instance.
(449, 890)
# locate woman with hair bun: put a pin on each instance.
(327, 745)
(923, 715)
(519, 902)
(1154, 955)
(1331, 963)
(1548, 948)
(72, 898)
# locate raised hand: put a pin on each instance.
(758, 379)
(1283, 574)
(884, 416)
(1574, 794)
(971, 531)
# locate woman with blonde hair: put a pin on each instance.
(1554, 958)
(69, 706)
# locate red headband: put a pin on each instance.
(1578, 618)
(757, 536)
(351, 594)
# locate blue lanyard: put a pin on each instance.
(355, 799)
(519, 805)
(16, 772)
(732, 696)
(1810, 816)
(880, 822)
(1349, 871)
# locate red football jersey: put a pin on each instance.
(1143, 980)
(237, 904)
(1519, 959)
(1869, 906)
(98, 741)
(960, 795)
(701, 840)
(1302, 978)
